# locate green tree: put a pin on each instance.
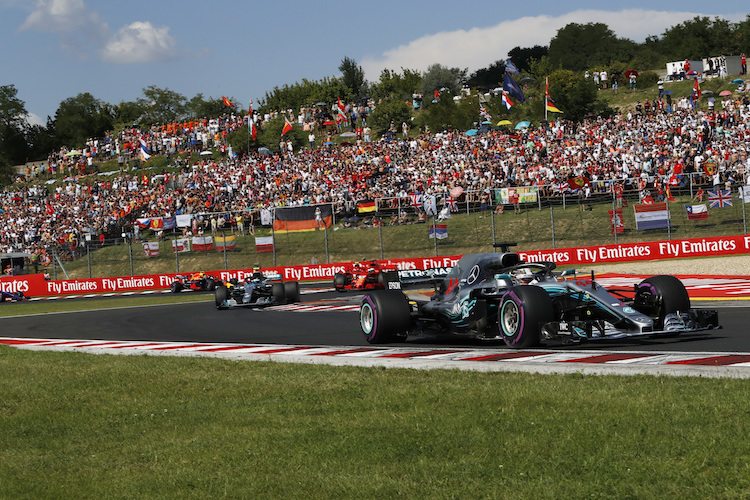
(698, 38)
(162, 105)
(522, 57)
(397, 85)
(447, 113)
(391, 110)
(304, 93)
(576, 96)
(353, 78)
(578, 47)
(489, 77)
(438, 77)
(80, 118)
(13, 126)
(199, 107)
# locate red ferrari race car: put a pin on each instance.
(365, 275)
(196, 281)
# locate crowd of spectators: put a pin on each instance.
(646, 147)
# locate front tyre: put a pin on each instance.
(384, 316)
(339, 282)
(523, 311)
(221, 295)
(175, 287)
(658, 296)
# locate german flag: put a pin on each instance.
(302, 218)
(551, 106)
(367, 206)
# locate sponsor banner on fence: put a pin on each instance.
(650, 250)
(34, 285)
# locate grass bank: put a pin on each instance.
(88, 426)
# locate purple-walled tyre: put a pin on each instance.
(523, 311)
(384, 316)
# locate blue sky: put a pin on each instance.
(56, 49)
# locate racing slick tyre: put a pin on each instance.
(291, 292)
(175, 287)
(658, 296)
(210, 285)
(221, 294)
(277, 292)
(384, 316)
(339, 282)
(523, 311)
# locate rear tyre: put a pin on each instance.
(210, 285)
(523, 311)
(291, 292)
(175, 287)
(658, 296)
(384, 316)
(221, 295)
(277, 292)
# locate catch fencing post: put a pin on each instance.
(176, 255)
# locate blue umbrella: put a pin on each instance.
(667, 92)
(521, 125)
(264, 151)
(738, 80)
(471, 131)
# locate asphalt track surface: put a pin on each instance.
(202, 322)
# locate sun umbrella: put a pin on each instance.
(486, 122)
(707, 92)
(527, 79)
(348, 134)
(504, 122)
(264, 151)
(457, 191)
(206, 153)
(667, 92)
(74, 153)
(725, 92)
(521, 125)
(471, 131)
(738, 80)
(631, 72)
(328, 122)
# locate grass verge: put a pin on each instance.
(87, 426)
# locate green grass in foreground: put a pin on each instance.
(87, 426)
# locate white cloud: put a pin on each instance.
(62, 16)
(479, 47)
(140, 42)
(82, 32)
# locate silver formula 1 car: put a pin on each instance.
(255, 292)
(498, 296)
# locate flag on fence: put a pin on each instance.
(451, 203)
(439, 231)
(202, 243)
(719, 198)
(169, 222)
(616, 220)
(184, 220)
(226, 242)
(577, 182)
(157, 223)
(181, 245)
(744, 194)
(416, 200)
(697, 212)
(651, 216)
(151, 248)
(301, 218)
(430, 205)
(266, 217)
(367, 206)
(264, 244)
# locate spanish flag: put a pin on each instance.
(287, 126)
(227, 102)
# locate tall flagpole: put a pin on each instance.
(546, 95)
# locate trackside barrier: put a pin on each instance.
(35, 285)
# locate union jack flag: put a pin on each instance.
(720, 198)
(450, 201)
(484, 114)
(416, 199)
